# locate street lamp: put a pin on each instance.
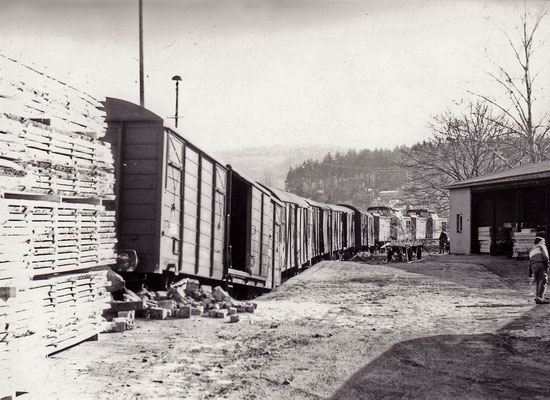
(177, 78)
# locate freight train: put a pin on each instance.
(180, 212)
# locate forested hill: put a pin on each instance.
(355, 177)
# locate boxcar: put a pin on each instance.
(363, 222)
(170, 198)
(343, 229)
(385, 225)
(298, 230)
(321, 230)
(420, 221)
(255, 239)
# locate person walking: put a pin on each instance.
(538, 268)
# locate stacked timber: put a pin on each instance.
(484, 238)
(57, 238)
(523, 242)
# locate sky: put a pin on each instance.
(255, 73)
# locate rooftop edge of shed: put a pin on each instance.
(538, 170)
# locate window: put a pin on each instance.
(459, 223)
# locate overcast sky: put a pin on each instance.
(360, 74)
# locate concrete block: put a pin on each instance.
(234, 318)
(220, 294)
(167, 304)
(221, 313)
(161, 295)
(231, 311)
(249, 308)
(178, 294)
(190, 285)
(119, 326)
(213, 313)
(158, 313)
(197, 310)
(241, 308)
(184, 312)
(129, 315)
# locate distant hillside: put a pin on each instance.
(270, 165)
(364, 178)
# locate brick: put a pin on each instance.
(221, 313)
(213, 313)
(231, 311)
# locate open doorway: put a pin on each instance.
(240, 223)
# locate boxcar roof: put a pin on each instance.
(249, 180)
(287, 197)
(345, 209)
(357, 209)
(318, 204)
(122, 110)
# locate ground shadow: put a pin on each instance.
(512, 363)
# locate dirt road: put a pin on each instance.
(445, 327)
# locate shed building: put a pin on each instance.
(500, 213)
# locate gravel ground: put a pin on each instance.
(443, 327)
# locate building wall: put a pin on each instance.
(460, 204)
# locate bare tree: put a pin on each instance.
(529, 134)
(461, 147)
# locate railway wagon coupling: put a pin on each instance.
(181, 212)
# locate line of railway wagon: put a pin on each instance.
(181, 212)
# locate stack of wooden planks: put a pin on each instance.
(484, 237)
(523, 242)
(57, 237)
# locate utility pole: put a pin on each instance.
(141, 83)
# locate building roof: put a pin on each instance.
(525, 172)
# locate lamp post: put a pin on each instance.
(177, 78)
(141, 80)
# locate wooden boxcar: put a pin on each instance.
(171, 198)
(385, 224)
(299, 230)
(343, 229)
(363, 222)
(419, 220)
(256, 240)
(321, 230)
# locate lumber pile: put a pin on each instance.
(56, 234)
(523, 242)
(484, 238)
